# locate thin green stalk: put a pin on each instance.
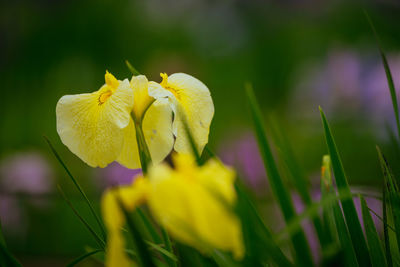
(385, 226)
(98, 239)
(144, 153)
(78, 187)
(143, 253)
(131, 68)
(83, 257)
(168, 245)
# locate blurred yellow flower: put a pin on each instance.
(194, 204)
(190, 100)
(99, 129)
(131, 197)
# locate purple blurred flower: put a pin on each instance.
(115, 174)
(27, 172)
(242, 153)
(347, 83)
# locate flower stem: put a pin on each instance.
(144, 153)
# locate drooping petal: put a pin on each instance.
(91, 125)
(191, 100)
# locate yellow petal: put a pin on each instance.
(91, 125)
(131, 196)
(181, 200)
(129, 156)
(142, 100)
(192, 100)
(157, 129)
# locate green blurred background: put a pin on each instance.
(298, 54)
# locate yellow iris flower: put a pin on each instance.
(98, 127)
(194, 204)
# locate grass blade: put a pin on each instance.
(98, 239)
(162, 250)
(349, 210)
(392, 194)
(83, 257)
(6, 258)
(385, 226)
(131, 68)
(297, 175)
(156, 237)
(257, 237)
(310, 212)
(168, 245)
(326, 190)
(344, 236)
(143, 253)
(374, 243)
(78, 187)
(388, 74)
(149, 226)
(223, 260)
(300, 245)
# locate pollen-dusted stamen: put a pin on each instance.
(111, 80)
(164, 83)
(104, 96)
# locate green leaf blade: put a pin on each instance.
(349, 210)
(344, 236)
(374, 243)
(388, 73)
(299, 241)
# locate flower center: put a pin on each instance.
(164, 83)
(112, 84)
(104, 96)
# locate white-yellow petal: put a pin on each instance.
(157, 129)
(129, 156)
(91, 125)
(191, 100)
